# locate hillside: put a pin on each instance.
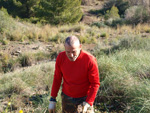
(119, 41)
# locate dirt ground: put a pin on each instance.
(14, 49)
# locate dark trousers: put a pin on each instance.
(69, 104)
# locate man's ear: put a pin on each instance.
(80, 46)
(64, 44)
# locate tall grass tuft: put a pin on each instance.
(124, 76)
(28, 89)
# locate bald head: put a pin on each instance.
(72, 47)
(72, 40)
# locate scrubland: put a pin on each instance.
(122, 52)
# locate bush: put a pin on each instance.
(4, 41)
(25, 60)
(112, 13)
(99, 24)
(137, 14)
(104, 35)
(122, 5)
(117, 22)
(6, 63)
(83, 39)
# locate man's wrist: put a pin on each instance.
(86, 103)
(52, 99)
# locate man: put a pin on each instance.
(79, 71)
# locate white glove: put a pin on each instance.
(52, 107)
(85, 106)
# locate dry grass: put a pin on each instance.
(24, 87)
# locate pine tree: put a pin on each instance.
(20, 8)
(60, 11)
(26, 7)
(113, 13)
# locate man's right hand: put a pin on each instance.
(52, 107)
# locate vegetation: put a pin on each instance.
(45, 11)
(132, 14)
(113, 13)
(59, 11)
(123, 12)
(125, 76)
(20, 8)
(121, 46)
(25, 90)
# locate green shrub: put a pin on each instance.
(117, 22)
(83, 39)
(137, 14)
(99, 24)
(25, 60)
(4, 41)
(122, 5)
(112, 13)
(104, 35)
(147, 30)
(6, 63)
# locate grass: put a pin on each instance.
(125, 80)
(16, 30)
(124, 75)
(8, 64)
(24, 87)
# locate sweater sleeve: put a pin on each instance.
(93, 75)
(57, 78)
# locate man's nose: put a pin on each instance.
(71, 54)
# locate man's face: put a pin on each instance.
(72, 52)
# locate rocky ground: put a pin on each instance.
(16, 48)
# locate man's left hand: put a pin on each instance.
(85, 106)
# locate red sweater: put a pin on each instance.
(80, 77)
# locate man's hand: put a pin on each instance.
(85, 107)
(52, 105)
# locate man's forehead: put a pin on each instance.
(75, 45)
